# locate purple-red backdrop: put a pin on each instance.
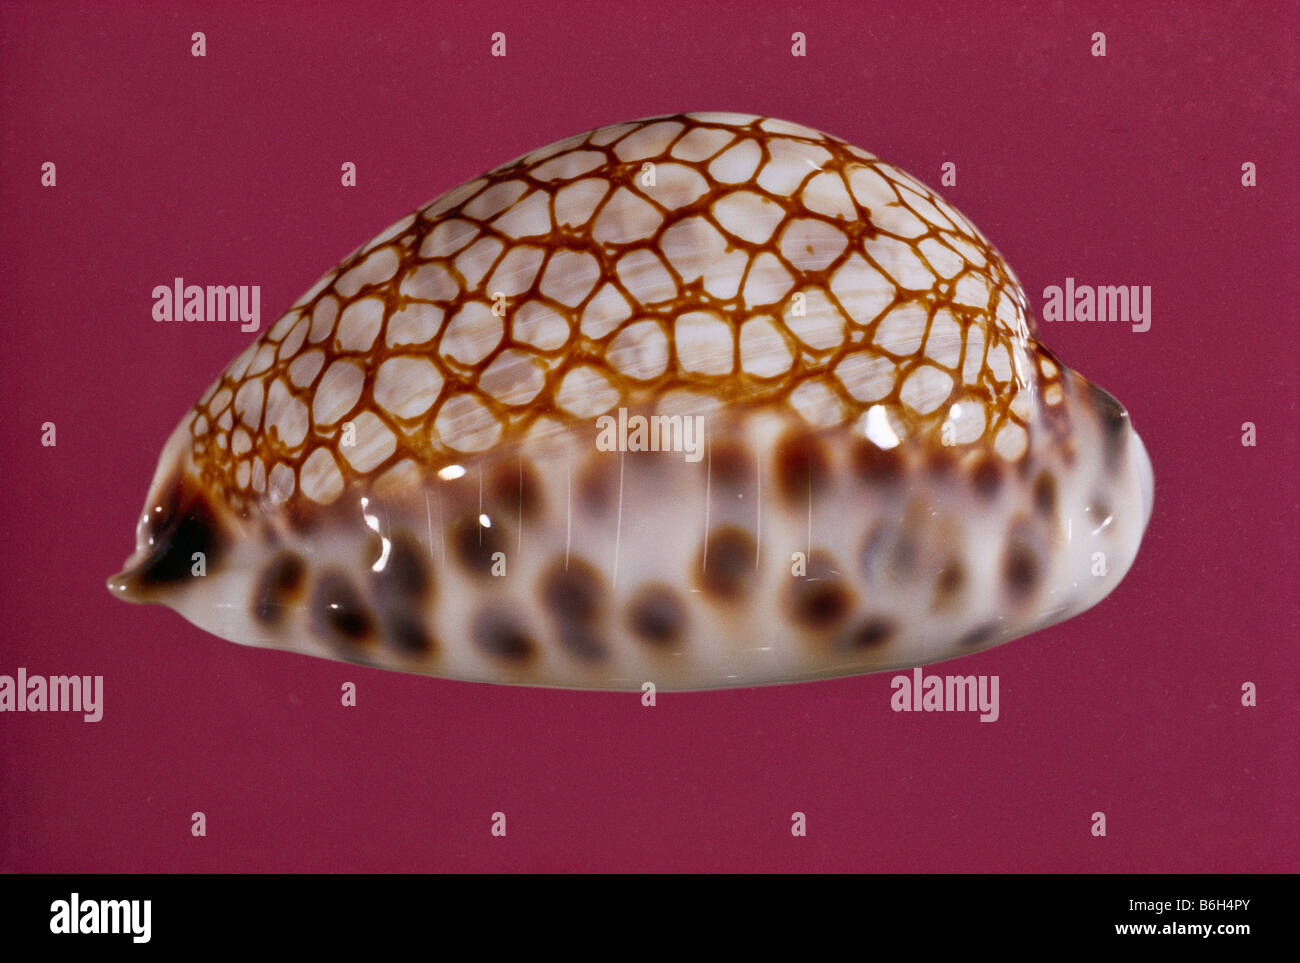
(1117, 170)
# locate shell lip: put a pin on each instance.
(179, 532)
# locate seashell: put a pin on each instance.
(709, 400)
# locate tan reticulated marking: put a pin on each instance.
(373, 444)
(323, 316)
(604, 312)
(901, 263)
(818, 403)
(826, 195)
(648, 141)
(695, 249)
(465, 423)
(625, 218)
(702, 143)
(972, 289)
(862, 290)
(968, 422)
(925, 389)
(820, 326)
(248, 403)
(531, 217)
(676, 289)
(639, 351)
(973, 358)
(737, 163)
(280, 484)
(811, 245)
(586, 391)
(540, 326)
(764, 352)
(431, 282)
(676, 186)
(866, 375)
(359, 325)
(286, 414)
(407, 385)
(416, 323)
(901, 331)
(448, 238)
(767, 281)
(263, 359)
(790, 163)
(570, 276)
(514, 378)
(517, 271)
(338, 392)
(749, 216)
(375, 269)
(943, 342)
(294, 339)
(1011, 441)
(475, 261)
(644, 277)
(495, 199)
(304, 368)
(942, 259)
(923, 207)
(568, 166)
(471, 333)
(705, 343)
(575, 203)
(320, 478)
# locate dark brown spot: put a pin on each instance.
(875, 465)
(281, 582)
(514, 488)
(803, 466)
(1045, 497)
(820, 599)
(1113, 421)
(948, 584)
(338, 611)
(941, 463)
(1100, 512)
(596, 485)
(500, 635)
(732, 467)
(725, 567)
(575, 596)
(405, 573)
(182, 525)
(657, 616)
(980, 636)
(474, 543)
(407, 634)
(1021, 569)
(575, 593)
(987, 477)
(870, 634)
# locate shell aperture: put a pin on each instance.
(708, 400)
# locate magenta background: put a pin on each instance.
(226, 170)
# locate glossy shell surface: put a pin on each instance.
(705, 400)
